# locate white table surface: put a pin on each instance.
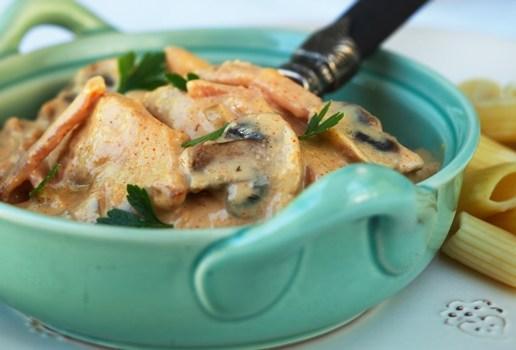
(400, 322)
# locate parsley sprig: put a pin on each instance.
(141, 203)
(209, 137)
(315, 126)
(41, 186)
(179, 82)
(146, 74)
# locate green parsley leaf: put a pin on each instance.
(177, 81)
(41, 186)
(144, 217)
(192, 76)
(209, 137)
(180, 82)
(147, 74)
(126, 66)
(140, 201)
(118, 217)
(315, 126)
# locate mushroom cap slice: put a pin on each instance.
(206, 107)
(107, 69)
(361, 137)
(257, 161)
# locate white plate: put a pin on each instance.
(416, 318)
(458, 55)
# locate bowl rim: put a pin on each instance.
(58, 225)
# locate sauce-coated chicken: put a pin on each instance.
(247, 165)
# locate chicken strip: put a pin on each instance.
(182, 62)
(16, 138)
(19, 135)
(120, 144)
(279, 89)
(79, 110)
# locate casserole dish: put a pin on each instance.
(348, 242)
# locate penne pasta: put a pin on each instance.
(489, 191)
(480, 90)
(496, 108)
(489, 153)
(509, 90)
(506, 220)
(511, 145)
(498, 119)
(485, 248)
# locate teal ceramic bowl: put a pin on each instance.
(350, 241)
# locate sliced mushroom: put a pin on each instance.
(74, 115)
(181, 112)
(361, 137)
(206, 106)
(244, 197)
(107, 69)
(257, 161)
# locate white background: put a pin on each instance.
(494, 17)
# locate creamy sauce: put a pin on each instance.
(430, 167)
(320, 157)
(203, 210)
(253, 170)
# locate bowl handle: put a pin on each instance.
(246, 273)
(23, 15)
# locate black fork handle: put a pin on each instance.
(332, 55)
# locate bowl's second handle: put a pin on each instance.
(246, 273)
(23, 15)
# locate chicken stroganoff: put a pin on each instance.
(172, 140)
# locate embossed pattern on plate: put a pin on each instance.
(479, 318)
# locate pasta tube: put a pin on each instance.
(479, 90)
(496, 108)
(506, 220)
(511, 145)
(485, 248)
(489, 153)
(489, 191)
(497, 119)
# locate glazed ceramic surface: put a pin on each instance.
(348, 242)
